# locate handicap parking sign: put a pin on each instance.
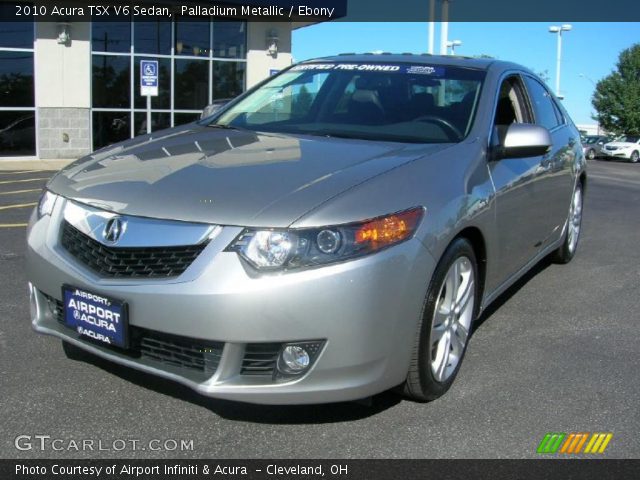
(149, 78)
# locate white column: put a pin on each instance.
(431, 23)
(444, 27)
(258, 61)
(558, 61)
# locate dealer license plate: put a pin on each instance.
(100, 318)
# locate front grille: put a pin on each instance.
(182, 355)
(260, 359)
(182, 352)
(128, 262)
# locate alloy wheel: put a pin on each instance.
(575, 219)
(452, 319)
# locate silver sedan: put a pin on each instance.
(328, 235)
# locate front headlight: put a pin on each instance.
(46, 203)
(298, 248)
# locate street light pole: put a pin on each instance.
(582, 75)
(444, 27)
(558, 31)
(431, 22)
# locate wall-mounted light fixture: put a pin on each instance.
(64, 33)
(452, 44)
(272, 43)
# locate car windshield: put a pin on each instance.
(374, 101)
(629, 138)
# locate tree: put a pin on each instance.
(544, 76)
(617, 96)
(302, 102)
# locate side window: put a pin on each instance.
(511, 106)
(546, 111)
(559, 112)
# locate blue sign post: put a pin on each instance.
(149, 80)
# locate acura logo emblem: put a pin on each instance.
(114, 229)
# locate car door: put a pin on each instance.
(520, 201)
(556, 179)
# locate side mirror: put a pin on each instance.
(520, 140)
(600, 143)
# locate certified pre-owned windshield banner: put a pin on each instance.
(323, 10)
(584, 469)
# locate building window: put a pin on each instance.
(111, 37)
(17, 100)
(111, 81)
(199, 62)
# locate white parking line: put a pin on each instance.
(21, 205)
(21, 172)
(5, 182)
(15, 192)
(12, 225)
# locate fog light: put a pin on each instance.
(297, 358)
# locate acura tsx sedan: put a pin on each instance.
(330, 234)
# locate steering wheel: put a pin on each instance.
(450, 130)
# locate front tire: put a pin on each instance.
(591, 154)
(566, 251)
(444, 329)
(634, 157)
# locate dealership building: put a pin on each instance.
(70, 87)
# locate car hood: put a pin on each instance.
(227, 177)
(621, 144)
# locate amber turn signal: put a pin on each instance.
(389, 230)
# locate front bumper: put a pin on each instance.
(617, 153)
(366, 311)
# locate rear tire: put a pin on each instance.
(634, 157)
(591, 154)
(445, 327)
(566, 251)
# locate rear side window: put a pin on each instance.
(546, 112)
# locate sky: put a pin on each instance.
(590, 49)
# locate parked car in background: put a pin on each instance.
(592, 145)
(331, 234)
(626, 147)
(18, 138)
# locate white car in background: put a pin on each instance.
(627, 146)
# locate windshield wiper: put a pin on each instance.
(367, 136)
(224, 127)
(333, 135)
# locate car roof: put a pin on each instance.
(422, 59)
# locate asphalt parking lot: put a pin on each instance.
(559, 352)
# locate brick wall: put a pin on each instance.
(63, 133)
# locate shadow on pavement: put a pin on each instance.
(540, 267)
(266, 414)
